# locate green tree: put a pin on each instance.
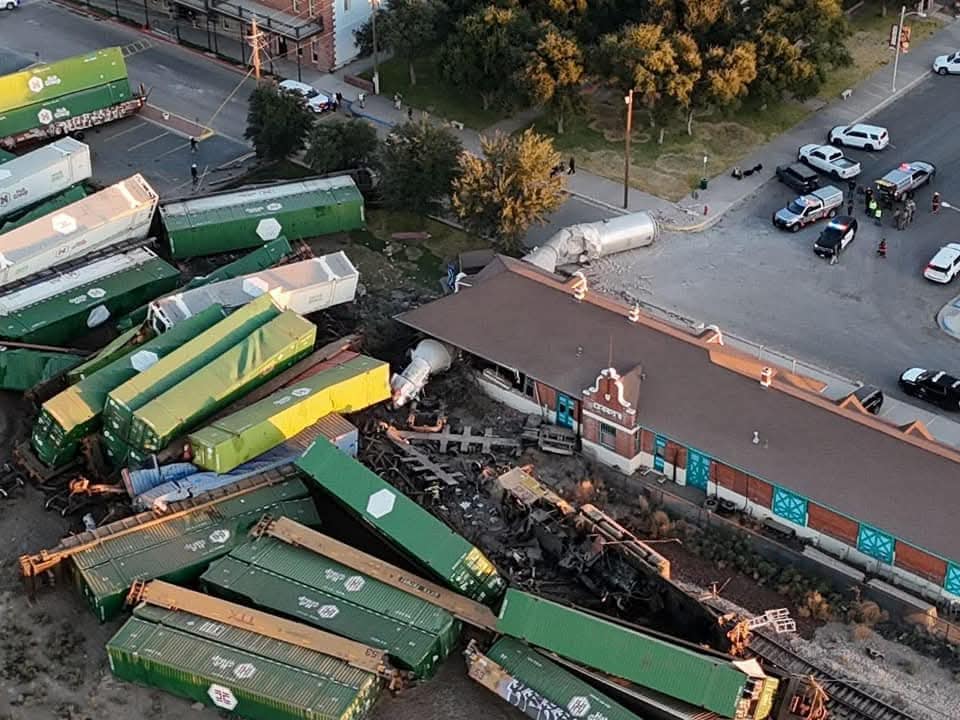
(485, 51)
(513, 186)
(411, 26)
(553, 72)
(277, 123)
(420, 162)
(334, 146)
(726, 77)
(363, 34)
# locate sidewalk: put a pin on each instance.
(724, 192)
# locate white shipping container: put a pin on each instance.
(115, 214)
(303, 287)
(38, 292)
(33, 177)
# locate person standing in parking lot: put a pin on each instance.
(850, 205)
(935, 201)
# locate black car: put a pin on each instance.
(835, 237)
(798, 177)
(934, 386)
(870, 397)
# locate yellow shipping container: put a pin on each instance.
(242, 436)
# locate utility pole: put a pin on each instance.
(255, 48)
(376, 55)
(903, 39)
(628, 99)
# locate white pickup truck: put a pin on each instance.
(829, 160)
(822, 203)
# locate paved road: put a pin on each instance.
(864, 317)
(179, 81)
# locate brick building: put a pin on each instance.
(643, 393)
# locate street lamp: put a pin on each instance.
(899, 37)
(376, 58)
(628, 99)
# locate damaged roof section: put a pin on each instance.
(710, 397)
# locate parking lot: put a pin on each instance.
(159, 148)
(866, 317)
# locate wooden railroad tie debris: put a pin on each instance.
(421, 464)
(466, 439)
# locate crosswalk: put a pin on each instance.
(136, 47)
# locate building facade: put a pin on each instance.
(644, 394)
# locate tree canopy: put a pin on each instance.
(410, 26)
(552, 73)
(420, 162)
(277, 123)
(511, 187)
(334, 146)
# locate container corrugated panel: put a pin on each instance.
(334, 427)
(67, 417)
(247, 218)
(46, 171)
(118, 213)
(60, 319)
(267, 351)
(67, 197)
(119, 347)
(237, 671)
(183, 362)
(64, 107)
(541, 688)
(51, 80)
(260, 259)
(6, 157)
(404, 523)
(305, 586)
(701, 680)
(21, 368)
(350, 387)
(180, 551)
(304, 287)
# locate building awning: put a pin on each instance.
(269, 19)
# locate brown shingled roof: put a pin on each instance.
(522, 318)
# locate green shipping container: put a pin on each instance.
(307, 587)
(698, 679)
(121, 346)
(252, 431)
(6, 156)
(21, 369)
(64, 107)
(237, 671)
(64, 317)
(268, 350)
(52, 80)
(260, 259)
(47, 207)
(182, 363)
(247, 218)
(404, 523)
(69, 416)
(180, 549)
(541, 688)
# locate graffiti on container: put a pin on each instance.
(535, 705)
(54, 128)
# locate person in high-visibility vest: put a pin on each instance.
(878, 215)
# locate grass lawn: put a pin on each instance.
(671, 170)
(432, 94)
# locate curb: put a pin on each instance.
(893, 96)
(954, 306)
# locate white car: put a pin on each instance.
(865, 137)
(9, 4)
(829, 160)
(945, 265)
(947, 64)
(316, 100)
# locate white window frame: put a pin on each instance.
(609, 430)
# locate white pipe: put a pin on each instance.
(428, 358)
(590, 241)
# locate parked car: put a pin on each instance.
(865, 137)
(830, 160)
(870, 397)
(908, 176)
(945, 265)
(934, 386)
(835, 237)
(947, 64)
(798, 177)
(316, 100)
(806, 209)
(9, 4)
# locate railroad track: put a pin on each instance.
(847, 702)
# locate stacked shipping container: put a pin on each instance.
(47, 171)
(304, 586)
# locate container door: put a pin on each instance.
(564, 411)
(698, 469)
(659, 452)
